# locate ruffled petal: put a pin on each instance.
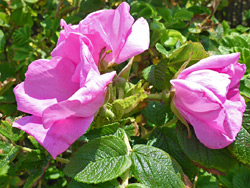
(137, 41)
(210, 136)
(216, 82)
(239, 71)
(194, 97)
(57, 138)
(217, 63)
(221, 134)
(31, 104)
(84, 103)
(70, 47)
(68, 28)
(113, 27)
(47, 82)
(196, 102)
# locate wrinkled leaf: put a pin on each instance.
(100, 160)
(155, 168)
(215, 161)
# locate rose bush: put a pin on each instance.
(64, 93)
(207, 96)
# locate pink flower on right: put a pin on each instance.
(207, 96)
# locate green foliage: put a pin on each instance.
(165, 138)
(100, 160)
(158, 75)
(156, 112)
(136, 112)
(9, 132)
(155, 168)
(241, 147)
(211, 160)
(8, 153)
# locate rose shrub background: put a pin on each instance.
(134, 138)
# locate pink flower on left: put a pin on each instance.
(62, 108)
(64, 93)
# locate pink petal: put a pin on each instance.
(216, 82)
(114, 27)
(194, 97)
(213, 135)
(86, 66)
(239, 71)
(31, 104)
(209, 135)
(71, 47)
(216, 63)
(137, 41)
(58, 137)
(47, 82)
(68, 28)
(196, 102)
(115, 23)
(84, 103)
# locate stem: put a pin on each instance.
(126, 175)
(25, 149)
(58, 159)
(62, 160)
(170, 122)
(155, 96)
(109, 113)
(125, 179)
(127, 143)
(58, 8)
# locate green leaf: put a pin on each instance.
(240, 148)
(162, 50)
(124, 73)
(8, 109)
(121, 107)
(156, 112)
(8, 97)
(88, 6)
(207, 180)
(155, 168)
(158, 75)
(170, 37)
(8, 153)
(165, 14)
(36, 163)
(31, 1)
(211, 160)
(182, 54)
(136, 185)
(242, 178)
(109, 184)
(13, 134)
(237, 177)
(102, 131)
(100, 160)
(234, 41)
(245, 86)
(183, 14)
(6, 71)
(166, 139)
(2, 41)
(142, 9)
(4, 19)
(242, 28)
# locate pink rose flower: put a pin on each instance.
(207, 96)
(62, 97)
(113, 30)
